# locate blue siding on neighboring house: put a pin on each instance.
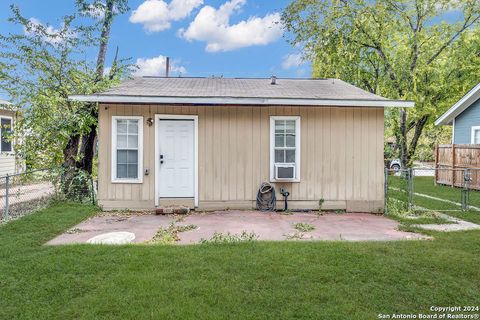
(464, 123)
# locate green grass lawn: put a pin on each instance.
(426, 186)
(259, 280)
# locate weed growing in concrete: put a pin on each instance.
(297, 235)
(186, 228)
(320, 204)
(304, 227)
(170, 235)
(231, 238)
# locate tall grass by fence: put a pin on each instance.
(452, 159)
(23, 193)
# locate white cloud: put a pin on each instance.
(292, 60)
(156, 66)
(50, 34)
(157, 15)
(213, 26)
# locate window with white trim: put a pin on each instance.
(127, 149)
(284, 148)
(475, 135)
(5, 132)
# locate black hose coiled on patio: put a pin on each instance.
(266, 199)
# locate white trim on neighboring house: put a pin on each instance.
(242, 101)
(472, 136)
(158, 117)
(453, 131)
(113, 164)
(11, 128)
(462, 104)
(297, 148)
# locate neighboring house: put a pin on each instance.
(464, 116)
(8, 161)
(209, 143)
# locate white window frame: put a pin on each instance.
(11, 128)
(297, 148)
(139, 178)
(472, 136)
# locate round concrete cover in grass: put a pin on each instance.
(113, 238)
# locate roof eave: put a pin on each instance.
(444, 121)
(241, 101)
(460, 106)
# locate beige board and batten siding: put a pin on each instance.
(341, 156)
(8, 164)
(8, 160)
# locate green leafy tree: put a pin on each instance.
(401, 49)
(42, 66)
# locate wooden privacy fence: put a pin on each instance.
(451, 160)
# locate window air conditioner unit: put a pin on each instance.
(284, 171)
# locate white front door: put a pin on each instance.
(176, 157)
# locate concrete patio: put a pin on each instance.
(267, 226)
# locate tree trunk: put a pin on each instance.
(80, 150)
(70, 164)
(407, 151)
(105, 36)
(88, 150)
(419, 125)
(88, 140)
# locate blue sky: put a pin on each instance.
(233, 38)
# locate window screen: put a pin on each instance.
(285, 148)
(6, 130)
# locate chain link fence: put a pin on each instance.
(418, 190)
(24, 193)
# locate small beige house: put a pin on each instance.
(209, 143)
(9, 163)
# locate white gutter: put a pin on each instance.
(4, 102)
(462, 104)
(241, 101)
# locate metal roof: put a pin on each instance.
(240, 91)
(4, 102)
(460, 106)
